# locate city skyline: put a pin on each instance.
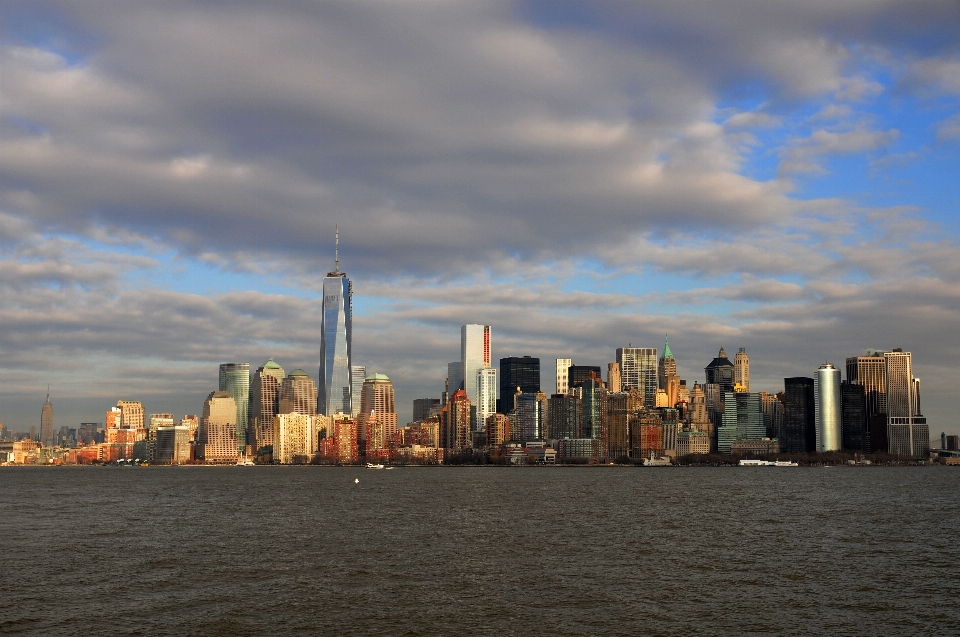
(578, 176)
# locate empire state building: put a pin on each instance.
(334, 388)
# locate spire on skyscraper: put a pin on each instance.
(666, 347)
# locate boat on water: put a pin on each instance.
(370, 465)
(653, 461)
(751, 462)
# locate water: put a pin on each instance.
(478, 550)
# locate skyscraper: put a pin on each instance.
(827, 409)
(742, 420)
(454, 377)
(517, 371)
(870, 371)
(741, 369)
(530, 417)
(799, 420)
(563, 366)
(613, 377)
(474, 356)
(358, 374)
(720, 372)
(378, 413)
(907, 431)
(217, 433)
(235, 380)
(856, 434)
(564, 415)
(46, 423)
(666, 366)
(336, 337)
(297, 394)
(638, 368)
(264, 403)
(579, 374)
(486, 404)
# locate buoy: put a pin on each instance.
(356, 480)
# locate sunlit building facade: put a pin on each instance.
(218, 429)
(563, 368)
(46, 423)
(827, 409)
(907, 431)
(638, 368)
(264, 404)
(235, 380)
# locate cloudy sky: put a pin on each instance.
(776, 176)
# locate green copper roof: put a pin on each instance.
(271, 365)
(377, 377)
(666, 348)
(298, 372)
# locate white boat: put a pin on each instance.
(370, 465)
(750, 462)
(785, 463)
(652, 461)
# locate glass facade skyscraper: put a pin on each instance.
(638, 368)
(517, 371)
(235, 380)
(334, 391)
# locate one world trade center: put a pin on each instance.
(333, 393)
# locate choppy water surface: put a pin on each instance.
(440, 551)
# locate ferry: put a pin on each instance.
(652, 461)
(750, 462)
(370, 465)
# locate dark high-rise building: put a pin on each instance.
(424, 408)
(721, 372)
(799, 417)
(594, 410)
(856, 434)
(577, 375)
(564, 414)
(517, 371)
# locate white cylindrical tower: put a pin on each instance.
(826, 392)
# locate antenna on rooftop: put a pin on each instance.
(336, 250)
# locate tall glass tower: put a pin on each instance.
(235, 380)
(334, 390)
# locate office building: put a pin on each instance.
(613, 378)
(358, 374)
(296, 437)
(799, 417)
(742, 420)
(620, 405)
(264, 403)
(853, 416)
(336, 338)
(217, 433)
(579, 374)
(720, 372)
(131, 414)
(594, 402)
(46, 423)
(564, 416)
(741, 369)
(486, 403)
(638, 368)
(772, 414)
(870, 371)
(699, 416)
(498, 430)
(521, 372)
(474, 356)
(235, 380)
(827, 409)
(298, 394)
(424, 408)
(172, 445)
(563, 368)
(455, 422)
(378, 414)
(528, 420)
(666, 366)
(907, 431)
